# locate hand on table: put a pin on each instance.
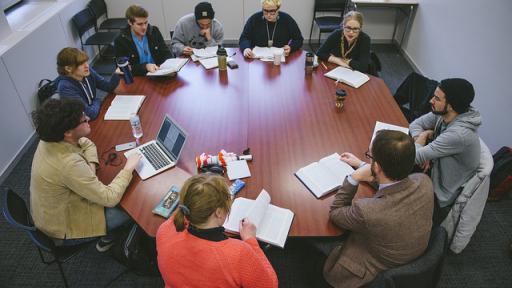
(287, 50)
(248, 53)
(150, 67)
(351, 159)
(187, 51)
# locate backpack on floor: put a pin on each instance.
(501, 175)
(137, 251)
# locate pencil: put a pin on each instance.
(323, 65)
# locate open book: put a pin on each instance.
(267, 54)
(272, 222)
(213, 62)
(171, 65)
(350, 77)
(202, 53)
(123, 106)
(325, 175)
(386, 126)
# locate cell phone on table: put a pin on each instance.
(125, 146)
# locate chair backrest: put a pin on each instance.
(416, 90)
(98, 8)
(84, 21)
(17, 214)
(425, 271)
(330, 5)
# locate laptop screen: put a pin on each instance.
(172, 137)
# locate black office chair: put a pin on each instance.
(414, 94)
(327, 24)
(424, 272)
(85, 21)
(375, 67)
(99, 9)
(16, 213)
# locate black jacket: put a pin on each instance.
(360, 55)
(125, 47)
(255, 32)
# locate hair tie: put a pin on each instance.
(184, 209)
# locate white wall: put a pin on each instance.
(233, 14)
(470, 40)
(28, 55)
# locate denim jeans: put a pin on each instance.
(115, 217)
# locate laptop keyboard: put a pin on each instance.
(154, 156)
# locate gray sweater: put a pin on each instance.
(186, 33)
(454, 152)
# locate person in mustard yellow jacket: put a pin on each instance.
(67, 201)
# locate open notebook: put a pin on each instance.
(350, 77)
(170, 66)
(123, 106)
(325, 175)
(204, 53)
(272, 223)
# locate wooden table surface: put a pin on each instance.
(287, 118)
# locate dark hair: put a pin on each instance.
(135, 11)
(395, 152)
(70, 56)
(202, 194)
(55, 117)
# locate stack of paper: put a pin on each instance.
(123, 106)
(272, 223)
(267, 54)
(170, 66)
(207, 52)
(325, 175)
(350, 77)
(238, 169)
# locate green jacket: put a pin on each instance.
(67, 200)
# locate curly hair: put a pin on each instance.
(55, 117)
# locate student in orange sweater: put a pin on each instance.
(193, 250)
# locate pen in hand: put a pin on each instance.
(323, 65)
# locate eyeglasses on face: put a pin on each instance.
(270, 11)
(351, 29)
(368, 155)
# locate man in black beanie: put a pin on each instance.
(197, 30)
(447, 141)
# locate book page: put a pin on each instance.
(207, 52)
(385, 126)
(323, 179)
(258, 208)
(275, 225)
(351, 77)
(337, 167)
(123, 106)
(170, 66)
(267, 54)
(209, 63)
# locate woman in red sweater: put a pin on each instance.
(193, 250)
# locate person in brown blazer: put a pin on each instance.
(388, 230)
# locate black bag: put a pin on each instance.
(501, 175)
(46, 89)
(137, 251)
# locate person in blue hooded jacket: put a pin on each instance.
(79, 81)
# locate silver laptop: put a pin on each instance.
(163, 153)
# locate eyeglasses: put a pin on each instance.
(368, 155)
(270, 11)
(351, 29)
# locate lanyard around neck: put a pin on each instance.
(271, 40)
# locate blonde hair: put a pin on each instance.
(276, 3)
(353, 15)
(201, 195)
(72, 57)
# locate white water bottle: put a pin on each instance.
(136, 126)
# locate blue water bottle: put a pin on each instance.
(124, 66)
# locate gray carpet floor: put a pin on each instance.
(484, 263)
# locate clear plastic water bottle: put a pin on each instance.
(136, 126)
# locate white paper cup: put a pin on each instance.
(277, 57)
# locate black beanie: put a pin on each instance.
(459, 93)
(204, 10)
